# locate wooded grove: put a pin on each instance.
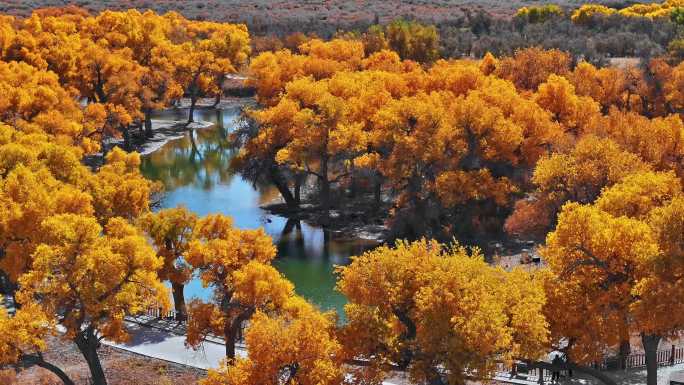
(538, 143)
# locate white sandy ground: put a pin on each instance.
(171, 347)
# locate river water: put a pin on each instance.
(199, 177)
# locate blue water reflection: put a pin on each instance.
(195, 172)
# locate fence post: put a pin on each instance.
(672, 355)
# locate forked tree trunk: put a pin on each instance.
(276, 177)
(231, 331)
(407, 336)
(87, 343)
(179, 301)
(37, 360)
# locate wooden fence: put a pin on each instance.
(166, 320)
(520, 370)
(159, 313)
(666, 357)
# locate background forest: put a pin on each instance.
(479, 127)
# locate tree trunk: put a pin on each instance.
(179, 301)
(191, 114)
(230, 336)
(217, 101)
(299, 181)
(352, 183)
(278, 180)
(292, 373)
(377, 191)
(87, 343)
(37, 360)
(289, 226)
(625, 350)
(299, 239)
(127, 138)
(406, 337)
(232, 330)
(148, 124)
(325, 184)
(418, 221)
(651, 343)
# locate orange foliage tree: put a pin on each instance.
(92, 277)
(171, 231)
(296, 347)
(236, 265)
(439, 311)
(530, 67)
(615, 267)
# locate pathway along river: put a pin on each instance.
(199, 177)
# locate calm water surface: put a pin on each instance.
(198, 176)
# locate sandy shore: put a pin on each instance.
(165, 131)
(168, 130)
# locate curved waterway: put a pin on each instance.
(198, 176)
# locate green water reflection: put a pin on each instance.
(195, 172)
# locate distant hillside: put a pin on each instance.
(264, 14)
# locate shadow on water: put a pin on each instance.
(195, 172)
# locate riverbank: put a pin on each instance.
(355, 220)
(165, 131)
(227, 102)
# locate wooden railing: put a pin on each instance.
(161, 315)
(520, 370)
(665, 357)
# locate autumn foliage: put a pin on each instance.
(443, 147)
(71, 251)
(535, 144)
(426, 306)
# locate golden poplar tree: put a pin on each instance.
(439, 311)
(236, 265)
